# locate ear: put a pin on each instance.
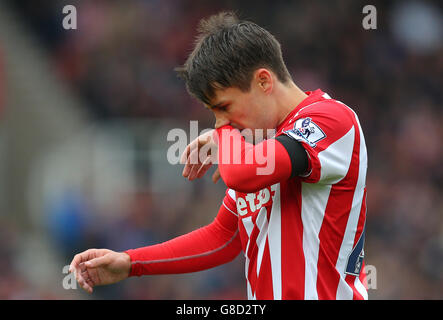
(264, 80)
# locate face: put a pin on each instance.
(244, 110)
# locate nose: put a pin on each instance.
(220, 121)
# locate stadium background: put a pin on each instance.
(84, 116)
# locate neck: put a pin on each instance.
(289, 96)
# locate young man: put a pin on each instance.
(301, 224)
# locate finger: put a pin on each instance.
(203, 140)
(195, 144)
(193, 157)
(85, 274)
(79, 258)
(79, 278)
(85, 286)
(87, 277)
(75, 262)
(204, 168)
(193, 171)
(98, 262)
(90, 282)
(185, 154)
(82, 267)
(216, 176)
(90, 289)
(191, 162)
(187, 170)
(198, 170)
(202, 171)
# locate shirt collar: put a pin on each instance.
(312, 97)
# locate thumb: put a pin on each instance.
(98, 262)
(216, 176)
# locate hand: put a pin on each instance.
(199, 156)
(96, 267)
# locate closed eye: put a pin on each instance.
(221, 107)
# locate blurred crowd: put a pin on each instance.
(121, 60)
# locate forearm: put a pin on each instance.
(248, 168)
(204, 248)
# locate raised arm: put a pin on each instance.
(246, 167)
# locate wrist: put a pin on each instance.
(126, 262)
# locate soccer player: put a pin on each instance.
(300, 221)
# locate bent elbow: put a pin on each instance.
(240, 179)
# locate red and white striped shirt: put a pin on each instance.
(303, 238)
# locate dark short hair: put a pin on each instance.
(227, 52)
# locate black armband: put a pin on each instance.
(297, 154)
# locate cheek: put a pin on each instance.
(248, 113)
(257, 115)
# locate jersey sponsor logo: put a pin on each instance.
(252, 202)
(306, 130)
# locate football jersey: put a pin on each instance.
(303, 238)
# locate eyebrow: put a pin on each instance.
(217, 105)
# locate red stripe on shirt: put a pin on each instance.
(293, 268)
(334, 225)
